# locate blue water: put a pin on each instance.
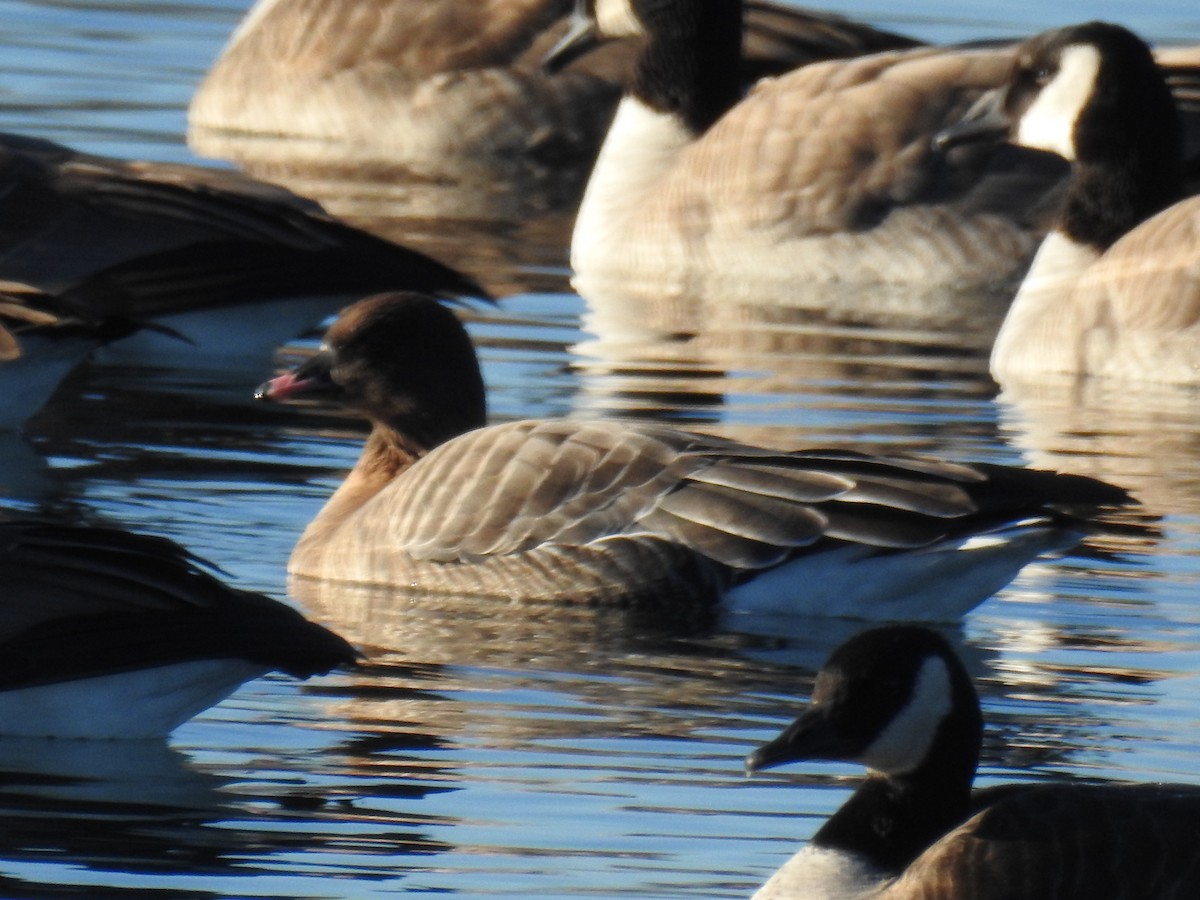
(516, 752)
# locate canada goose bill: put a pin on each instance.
(110, 634)
(899, 701)
(579, 39)
(609, 512)
(1114, 290)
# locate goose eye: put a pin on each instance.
(1043, 75)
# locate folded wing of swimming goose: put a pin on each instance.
(108, 633)
(449, 89)
(166, 237)
(571, 510)
(1030, 843)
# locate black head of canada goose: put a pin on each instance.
(620, 512)
(1115, 287)
(899, 701)
(110, 634)
(449, 90)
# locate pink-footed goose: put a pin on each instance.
(620, 512)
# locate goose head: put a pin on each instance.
(591, 23)
(896, 700)
(1084, 92)
(402, 360)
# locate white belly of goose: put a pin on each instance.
(140, 703)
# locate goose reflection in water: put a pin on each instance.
(1143, 436)
(146, 808)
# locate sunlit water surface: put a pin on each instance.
(556, 753)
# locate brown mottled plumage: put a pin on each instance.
(820, 189)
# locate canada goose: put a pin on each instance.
(40, 344)
(109, 634)
(171, 243)
(1115, 287)
(446, 89)
(820, 182)
(619, 512)
(818, 178)
(899, 701)
(44, 337)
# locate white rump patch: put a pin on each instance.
(903, 745)
(1049, 124)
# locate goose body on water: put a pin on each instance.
(820, 189)
(820, 178)
(1115, 287)
(110, 634)
(185, 245)
(899, 701)
(622, 512)
(447, 90)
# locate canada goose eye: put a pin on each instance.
(1043, 75)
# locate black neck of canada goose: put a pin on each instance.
(899, 701)
(689, 65)
(1125, 131)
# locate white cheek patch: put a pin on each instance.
(1049, 123)
(616, 18)
(902, 746)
